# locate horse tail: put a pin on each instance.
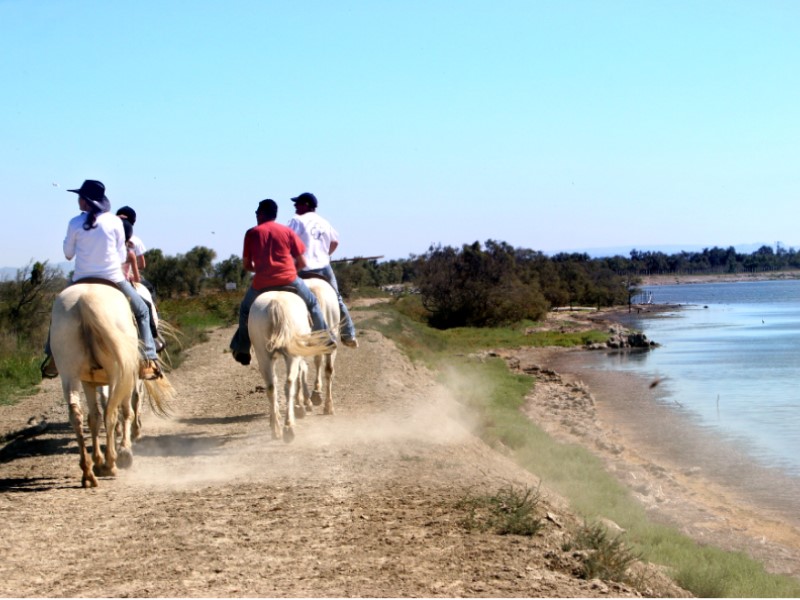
(284, 334)
(311, 344)
(109, 348)
(159, 394)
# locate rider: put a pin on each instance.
(273, 252)
(96, 239)
(126, 213)
(135, 261)
(321, 240)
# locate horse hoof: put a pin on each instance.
(316, 398)
(124, 458)
(104, 471)
(288, 435)
(88, 482)
(299, 412)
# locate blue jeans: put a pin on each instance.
(142, 314)
(347, 327)
(241, 339)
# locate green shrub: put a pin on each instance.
(508, 512)
(607, 557)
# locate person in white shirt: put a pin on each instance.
(128, 214)
(321, 240)
(96, 240)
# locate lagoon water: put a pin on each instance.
(729, 360)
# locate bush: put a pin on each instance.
(508, 512)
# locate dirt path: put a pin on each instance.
(362, 503)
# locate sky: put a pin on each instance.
(549, 125)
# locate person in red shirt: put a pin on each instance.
(274, 253)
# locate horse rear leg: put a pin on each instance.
(136, 404)
(267, 367)
(329, 360)
(302, 404)
(125, 450)
(290, 389)
(316, 394)
(73, 397)
(97, 406)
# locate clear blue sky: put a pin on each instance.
(549, 125)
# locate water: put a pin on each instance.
(730, 360)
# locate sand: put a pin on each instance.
(686, 476)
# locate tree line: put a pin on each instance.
(477, 284)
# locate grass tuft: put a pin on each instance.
(510, 511)
(607, 557)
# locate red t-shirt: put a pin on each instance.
(271, 249)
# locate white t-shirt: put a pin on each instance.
(98, 252)
(138, 245)
(317, 234)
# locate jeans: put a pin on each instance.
(241, 339)
(142, 314)
(347, 327)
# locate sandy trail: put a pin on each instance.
(362, 503)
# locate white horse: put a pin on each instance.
(279, 325)
(94, 341)
(329, 303)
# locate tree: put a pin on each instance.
(230, 270)
(476, 287)
(25, 302)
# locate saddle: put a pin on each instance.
(98, 280)
(309, 275)
(277, 288)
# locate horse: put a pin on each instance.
(94, 341)
(279, 325)
(329, 303)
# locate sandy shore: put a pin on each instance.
(685, 476)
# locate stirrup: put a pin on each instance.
(48, 368)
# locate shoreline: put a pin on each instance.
(685, 476)
(656, 280)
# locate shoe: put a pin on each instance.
(48, 368)
(150, 370)
(242, 358)
(160, 345)
(350, 342)
(331, 344)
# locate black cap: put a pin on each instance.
(306, 198)
(128, 213)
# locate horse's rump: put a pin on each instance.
(93, 328)
(280, 321)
